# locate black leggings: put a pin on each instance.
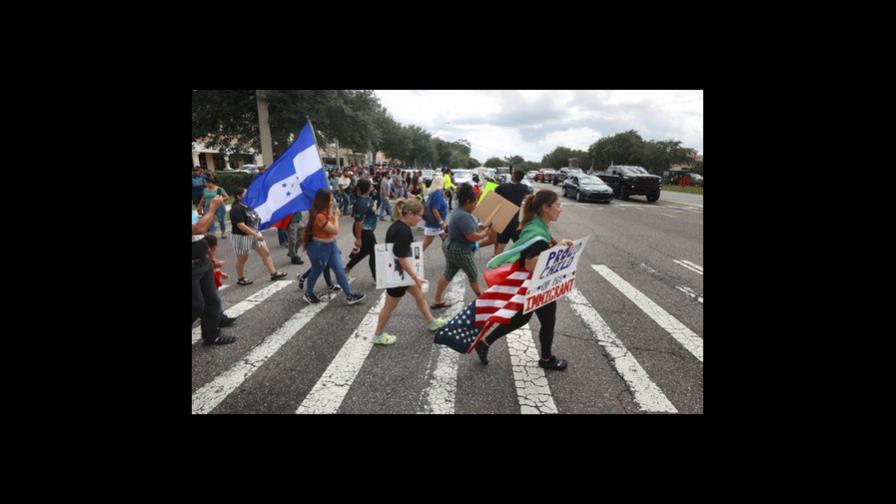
(547, 315)
(368, 240)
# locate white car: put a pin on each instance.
(463, 177)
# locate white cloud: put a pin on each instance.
(531, 123)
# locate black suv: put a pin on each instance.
(561, 174)
(629, 180)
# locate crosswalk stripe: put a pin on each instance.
(532, 389)
(646, 394)
(250, 302)
(694, 265)
(676, 329)
(210, 395)
(330, 390)
(689, 265)
(441, 390)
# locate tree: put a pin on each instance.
(622, 148)
(513, 160)
(473, 163)
(227, 120)
(494, 162)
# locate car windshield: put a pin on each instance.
(428, 173)
(588, 180)
(463, 173)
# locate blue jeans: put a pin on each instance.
(219, 214)
(321, 255)
(282, 237)
(384, 204)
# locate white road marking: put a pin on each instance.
(249, 303)
(646, 394)
(690, 292)
(532, 389)
(441, 391)
(210, 395)
(689, 265)
(330, 390)
(676, 329)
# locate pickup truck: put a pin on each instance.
(630, 180)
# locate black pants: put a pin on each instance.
(368, 240)
(205, 300)
(547, 315)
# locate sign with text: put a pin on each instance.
(389, 272)
(554, 275)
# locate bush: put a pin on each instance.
(230, 181)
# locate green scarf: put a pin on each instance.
(533, 231)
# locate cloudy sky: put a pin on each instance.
(532, 123)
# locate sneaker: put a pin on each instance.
(355, 298)
(226, 321)
(311, 298)
(334, 288)
(384, 339)
(436, 324)
(482, 351)
(301, 282)
(553, 363)
(220, 340)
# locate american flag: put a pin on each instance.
(497, 305)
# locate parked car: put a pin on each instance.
(428, 176)
(463, 177)
(587, 188)
(545, 175)
(562, 173)
(629, 180)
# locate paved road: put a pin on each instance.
(632, 331)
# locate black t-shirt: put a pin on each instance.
(400, 236)
(534, 249)
(241, 213)
(516, 193)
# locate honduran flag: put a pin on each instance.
(290, 183)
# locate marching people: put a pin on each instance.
(408, 212)
(363, 228)
(211, 190)
(206, 304)
(463, 235)
(436, 202)
(539, 210)
(319, 239)
(244, 225)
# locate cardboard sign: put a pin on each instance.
(496, 209)
(389, 272)
(554, 275)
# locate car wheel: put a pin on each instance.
(653, 197)
(622, 193)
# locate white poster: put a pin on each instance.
(554, 275)
(389, 272)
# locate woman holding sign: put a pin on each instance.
(407, 214)
(538, 211)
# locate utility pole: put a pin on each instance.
(264, 128)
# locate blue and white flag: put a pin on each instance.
(290, 183)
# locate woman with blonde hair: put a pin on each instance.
(407, 214)
(435, 201)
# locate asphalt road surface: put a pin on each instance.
(632, 330)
